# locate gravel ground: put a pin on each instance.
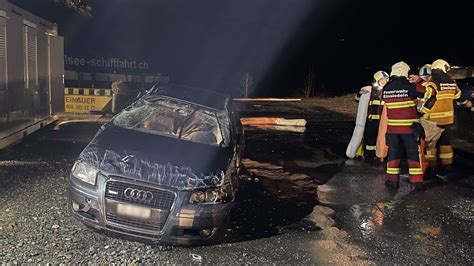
(36, 225)
(39, 228)
(345, 105)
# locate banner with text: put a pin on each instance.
(79, 100)
(105, 64)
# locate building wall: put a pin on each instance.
(22, 96)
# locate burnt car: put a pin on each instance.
(165, 168)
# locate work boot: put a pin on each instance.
(418, 186)
(374, 161)
(391, 184)
(444, 172)
(405, 177)
(430, 174)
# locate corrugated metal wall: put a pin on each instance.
(26, 54)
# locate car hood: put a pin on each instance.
(156, 159)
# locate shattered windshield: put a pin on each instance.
(177, 119)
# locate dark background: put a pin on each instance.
(211, 43)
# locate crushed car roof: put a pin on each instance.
(203, 97)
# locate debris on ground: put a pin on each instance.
(433, 231)
(277, 121)
(335, 247)
(196, 258)
(278, 181)
(321, 216)
(274, 124)
(333, 233)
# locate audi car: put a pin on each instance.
(164, 169)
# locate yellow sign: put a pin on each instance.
(85, 100)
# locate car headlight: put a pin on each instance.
(85, 172)
(210, 196)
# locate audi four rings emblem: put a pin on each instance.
(137, 194)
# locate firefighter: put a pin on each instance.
(425, 73)
(400, 97)
(442, 112)
(373, 113)
(424, 83)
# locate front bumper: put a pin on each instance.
(183, 224)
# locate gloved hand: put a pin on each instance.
(414, 78)
(418, 131)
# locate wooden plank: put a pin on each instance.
(247, 121)
(295, 129)
(266, 100)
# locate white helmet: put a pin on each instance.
(441, 65)
(400, 69)
(425, 70)
(380, 75)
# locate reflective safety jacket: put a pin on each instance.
(428, 86)
(446, 92)
(401, 97)
(375, 104)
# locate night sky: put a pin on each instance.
(211, 43)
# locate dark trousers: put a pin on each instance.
(370, 137)
(400, 145)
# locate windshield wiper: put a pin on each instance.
(184, 123)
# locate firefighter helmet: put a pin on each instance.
(380, 75)
(425, 70)
(400, 69)
(441, 65)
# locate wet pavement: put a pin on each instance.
(404, 226)
(286, 175)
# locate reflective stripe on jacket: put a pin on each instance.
(400, 97)
(375, 104)
(443, 110)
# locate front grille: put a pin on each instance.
(162, 199)
(134, 223)
(130, 232)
